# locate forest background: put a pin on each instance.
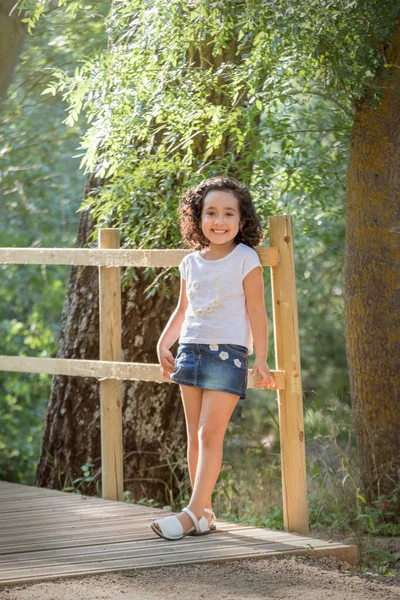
(105, 87)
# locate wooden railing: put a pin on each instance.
(110, 371)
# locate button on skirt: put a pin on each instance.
(222, 367)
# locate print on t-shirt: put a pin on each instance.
(204, 296)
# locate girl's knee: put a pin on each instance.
(210, 435)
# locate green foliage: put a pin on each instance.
(35, 9)
(386, 562)
(23, 398)
(89, 476)
(149, 105)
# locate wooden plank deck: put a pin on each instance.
(46, 534)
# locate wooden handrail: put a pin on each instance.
(97, 257)
(103, 369)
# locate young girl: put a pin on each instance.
(220, 313)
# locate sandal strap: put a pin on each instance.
(193, 517)
(213, 517)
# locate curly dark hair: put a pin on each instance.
(190, 210)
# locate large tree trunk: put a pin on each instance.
(153, 419)
(372, 280)
(153, 424)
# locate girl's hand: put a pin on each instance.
(261, 367)
(167, 362)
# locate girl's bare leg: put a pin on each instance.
(192, 401)
(216, 410)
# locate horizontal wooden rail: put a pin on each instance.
(103, 369)
(110, 258)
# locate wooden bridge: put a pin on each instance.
(47, 534)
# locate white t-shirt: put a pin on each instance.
(217, 311)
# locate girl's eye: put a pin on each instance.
(229, 214)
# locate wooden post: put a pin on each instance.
(287, 358)
(110, 389)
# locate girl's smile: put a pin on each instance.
(220, 220)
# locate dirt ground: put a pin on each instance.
(281, 578)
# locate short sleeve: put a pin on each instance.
(251, 261)
(182, 267)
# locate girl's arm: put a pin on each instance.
(172, 330)
(171, 334)
(253, 285)
(173, 327)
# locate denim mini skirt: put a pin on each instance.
(222, 367)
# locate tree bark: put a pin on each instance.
(372, 280)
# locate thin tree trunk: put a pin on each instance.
(12, 33)
(372, 280)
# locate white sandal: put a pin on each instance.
(208, 527)
(171, 528)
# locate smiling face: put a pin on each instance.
(220, 217)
